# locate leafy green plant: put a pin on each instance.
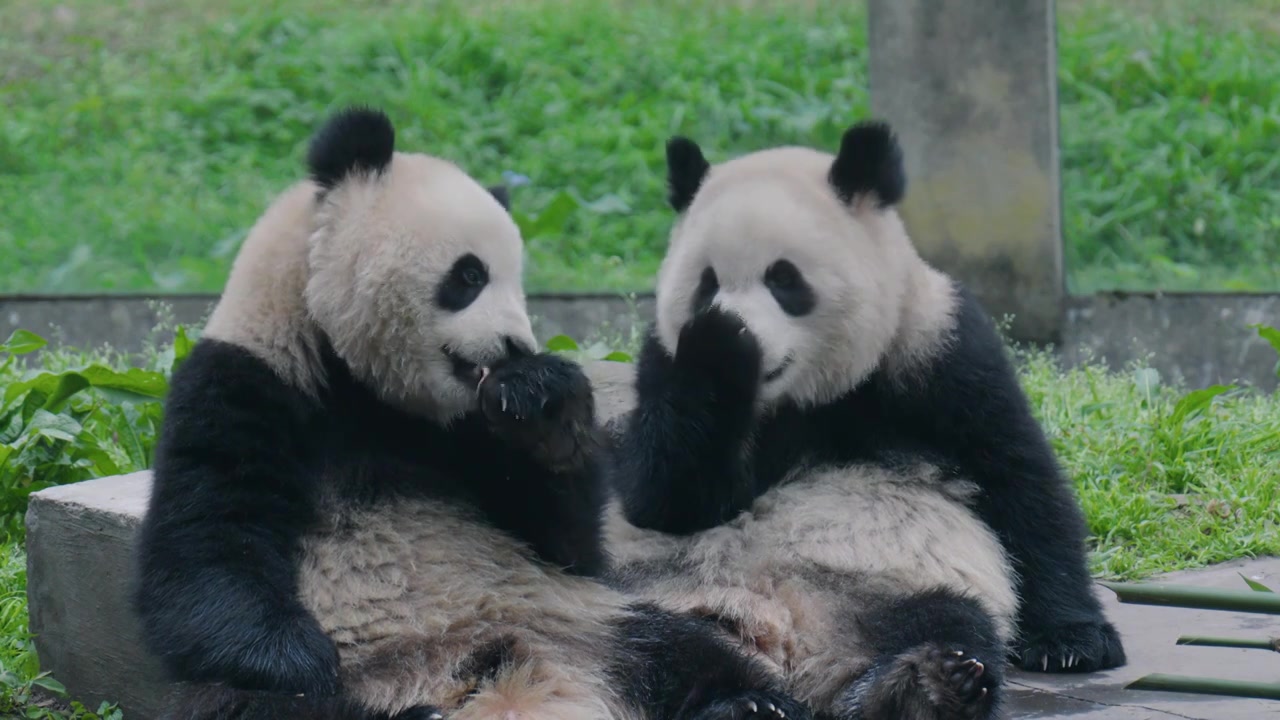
(64, 425)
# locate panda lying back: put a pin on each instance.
(374, 498)
(830, 452)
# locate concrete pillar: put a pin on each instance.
(971, 87)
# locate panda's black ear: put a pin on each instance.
(686, 168)
(356, 139)
(502, 195)
(869, 162)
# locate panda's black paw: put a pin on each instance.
(542, 403)
(292, 655)
(930, 681)
(956, 683)
(721, 352)
(754, 705)
(1070, 648)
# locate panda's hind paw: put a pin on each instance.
(754, 705)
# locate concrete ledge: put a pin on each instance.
(1203, 338)
(80, 544)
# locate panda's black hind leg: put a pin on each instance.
(938, 657)
(675, 667)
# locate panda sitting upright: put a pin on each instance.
(374, 499)
(830, 453)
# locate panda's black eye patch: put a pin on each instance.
(787, 284)
(463, 283)
(708, 286)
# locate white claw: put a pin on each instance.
(504, 400)
(982, 694)
(1071, 661)
(772, 709)
(752, 704)
(1046, 663)
(958, 653)
(436, 716)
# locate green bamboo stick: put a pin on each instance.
(1206, 686)
(1189, 596)
(1273, 644)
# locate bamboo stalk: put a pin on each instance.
(1189, 596)
(1272, 644)
(1206, 686)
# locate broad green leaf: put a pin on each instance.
(562, 343)
(552, 219)
(1254, 584)
(1196, 401)
(1148, 381)
(182, 345)
(617, 356)
(5, 452)
(48, 683)
(103, 464)
(58, 427)
(143, 383)
(1272, 336)
(67, 385)
(22, 342)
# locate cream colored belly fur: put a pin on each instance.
(409, 592)
(774, 572)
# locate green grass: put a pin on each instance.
(138, 141)
(1168, 479)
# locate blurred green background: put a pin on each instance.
(139, 140)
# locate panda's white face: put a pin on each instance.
(822, 283)
(415, 275)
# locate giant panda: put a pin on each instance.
(374, 498)
(830, 454)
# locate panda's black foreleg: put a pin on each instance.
(216, 590)
(972, 408)
(682, 462)
(676, 667)
(938, 657)
(548, 487)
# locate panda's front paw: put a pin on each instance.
(542, 403)
(1070, 648)
(292, 656)
(719, 349)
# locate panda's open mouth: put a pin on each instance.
(776, 373)
(463, 369)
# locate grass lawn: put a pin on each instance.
(139, 140)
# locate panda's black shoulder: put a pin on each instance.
(223, 394)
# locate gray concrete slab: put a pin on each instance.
(80, 542)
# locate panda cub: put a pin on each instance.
(374, 498)
(831, 456)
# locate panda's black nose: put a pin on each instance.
(516, 349)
